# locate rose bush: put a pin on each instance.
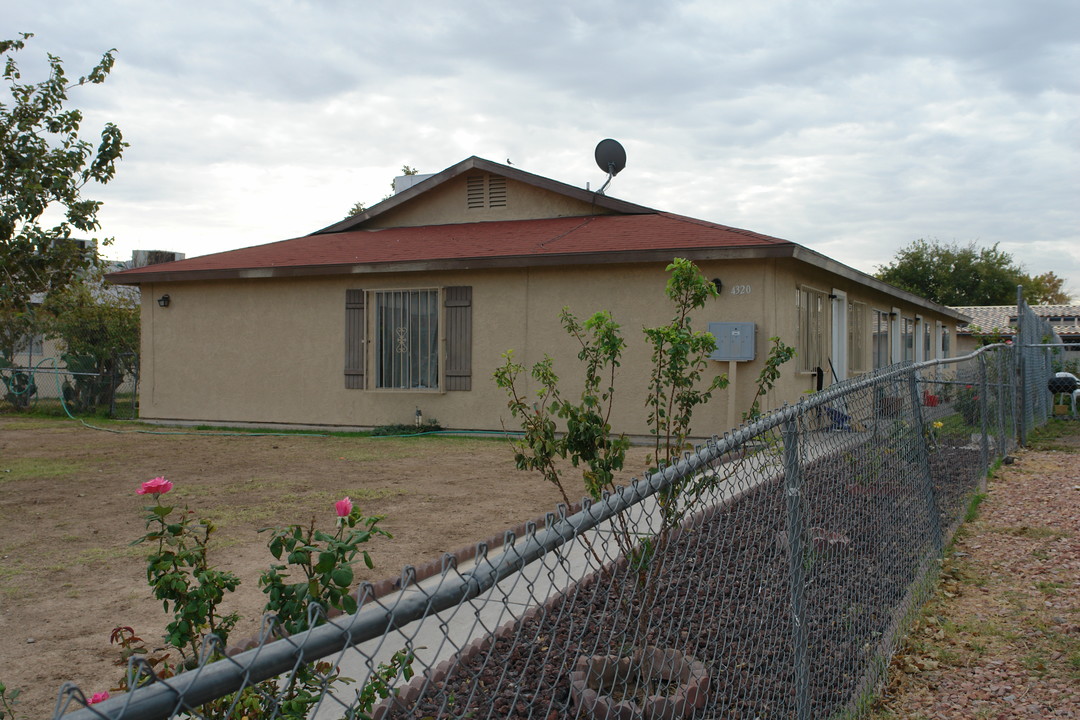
(315, 577)
(967, 403)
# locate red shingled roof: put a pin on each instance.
(596, 234)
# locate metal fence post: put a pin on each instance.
(1003, 359)
(113, 384)
(1021, 374)
(923, 460)
(984, 411)
(793, 490)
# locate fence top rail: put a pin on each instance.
(833, 392)
(46, 371)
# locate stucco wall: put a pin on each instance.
(446, 204)
(272, 350)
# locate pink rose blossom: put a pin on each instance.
(343, 507)
(98, 697)
(157, 486)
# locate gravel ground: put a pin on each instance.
(1002, 637)
(724, 597)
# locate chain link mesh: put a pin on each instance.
(767, 574)
(87, 370)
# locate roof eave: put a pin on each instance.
(812, 257)
(457, 264)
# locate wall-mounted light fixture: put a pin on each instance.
(163, 301)
(717, 284)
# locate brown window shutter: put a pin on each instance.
(355, 339)
(458, 304)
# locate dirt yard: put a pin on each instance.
(1001, 640)
(68, 511)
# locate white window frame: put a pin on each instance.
(897, 350)
(881, 319)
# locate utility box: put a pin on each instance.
(734, 341)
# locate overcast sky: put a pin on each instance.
(853, 128)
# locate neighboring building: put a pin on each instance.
(33, 350)
(411, 304)
(1000, 321)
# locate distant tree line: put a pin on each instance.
(959, 275)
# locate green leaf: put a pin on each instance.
(342, 576)
(327, 561)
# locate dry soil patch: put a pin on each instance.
(68, 511)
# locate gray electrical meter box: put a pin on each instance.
(734, 341)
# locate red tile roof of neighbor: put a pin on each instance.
(597, 234)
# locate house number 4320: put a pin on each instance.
(740, 289)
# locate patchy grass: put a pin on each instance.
(69, 509)
(972, 511)
(34, 423)
(1049, 587)
(39, 469)
(1056, 435)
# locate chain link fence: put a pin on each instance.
(1042, 353)
(79, 372)
(767, 574)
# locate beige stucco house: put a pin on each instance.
(411, 304)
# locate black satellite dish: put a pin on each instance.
(611, 157)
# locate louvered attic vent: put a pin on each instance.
(485, 191)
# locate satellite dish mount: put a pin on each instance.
(611, 158)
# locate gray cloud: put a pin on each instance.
(851, 127)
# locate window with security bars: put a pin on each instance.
(392, 339)
(945, 342)
(880, 335)
(857, 334)
(926, 341)
(407, 339)
(811, 350)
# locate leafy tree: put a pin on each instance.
(954, 274)
(98, 329)
(957, 275)
(356, 209)
(1045, 289)
(360, 207)
(44, 163)
(16, 329)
